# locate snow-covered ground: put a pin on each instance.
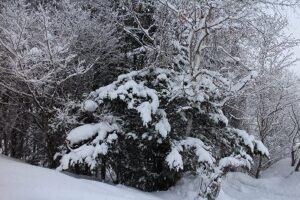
(279, 182)
(22, 181)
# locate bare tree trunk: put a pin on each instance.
(189, 126)
(293, 158)
(298, 166)
(50, 151)
(257, 174)
(103, 168)
(13, 144)
(5, 144)
(20, 146)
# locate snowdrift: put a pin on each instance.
(20, 181)
(279, 182)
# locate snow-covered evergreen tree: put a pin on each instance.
(171, 82)
(151, 125)
(142, 129)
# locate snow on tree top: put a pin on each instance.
(174, 160)
(90, 106)
(88, 153)
(129, 89)
(163, 126)
(250, 141)
(131, 92)
(262, 148)
(234, 162)
(200, 149)
(87, 131)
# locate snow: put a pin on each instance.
(162, 77)
(131, 92)
(132, 135)
(163, 126)
(84, 153)
(186, 189)
(174, 160)
(279, 182)
(200, 149)
(219, 117)
(87, 131)
(145, 112)
(82, 133)
(23, 181)
(296, 146)
(90, 106)
(112, 137)
(103, 132)
(100, 149)
(137, 96)
(35, 52)
(262, 148)
(250, 141)
(233, 162)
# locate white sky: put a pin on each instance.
(294, 28)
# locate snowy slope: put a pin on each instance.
(20, 181)
(279, 182)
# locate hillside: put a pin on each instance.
(279, 182)
(23, 181)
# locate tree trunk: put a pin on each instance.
(293, 158)
(257, 174)
(5, 144)
(50, 153)
(103, 168)
(298, 166)
(189, 126)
